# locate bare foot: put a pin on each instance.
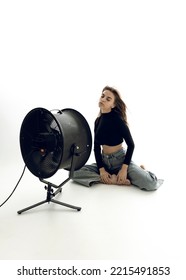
(127, 182)
(142, 166)
(114, 181)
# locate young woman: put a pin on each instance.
(114, 164)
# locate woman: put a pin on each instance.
(113, 162)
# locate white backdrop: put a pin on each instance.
(59, 54)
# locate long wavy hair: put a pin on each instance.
(120, 106)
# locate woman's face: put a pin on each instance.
(106, 101)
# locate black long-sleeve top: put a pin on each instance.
(111, 130)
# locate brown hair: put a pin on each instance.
(120, 106)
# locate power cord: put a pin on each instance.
(15, 186)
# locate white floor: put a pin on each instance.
(114, 223)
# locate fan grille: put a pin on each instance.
(41, 143)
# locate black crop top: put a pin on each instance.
(111, 130)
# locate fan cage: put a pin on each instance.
(46, 140)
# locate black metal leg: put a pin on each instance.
(32, 206)
(66, 205)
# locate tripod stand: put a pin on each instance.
(49, 187)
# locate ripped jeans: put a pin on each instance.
(88, 175)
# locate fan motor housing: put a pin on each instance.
(47, 140)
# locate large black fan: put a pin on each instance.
(51, 141)
(47, 140)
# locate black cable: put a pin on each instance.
(15, 186)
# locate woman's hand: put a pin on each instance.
(105, 176)
(122, 176)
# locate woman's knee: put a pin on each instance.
(150, 186)
(143, 179)
(87, 171)
(152, 183)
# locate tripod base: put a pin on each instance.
(49, 186)
(49, 199)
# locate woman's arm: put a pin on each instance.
(122, 174)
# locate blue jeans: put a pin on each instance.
(88, 175)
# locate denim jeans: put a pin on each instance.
(88, 175)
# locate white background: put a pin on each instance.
(60, 54)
